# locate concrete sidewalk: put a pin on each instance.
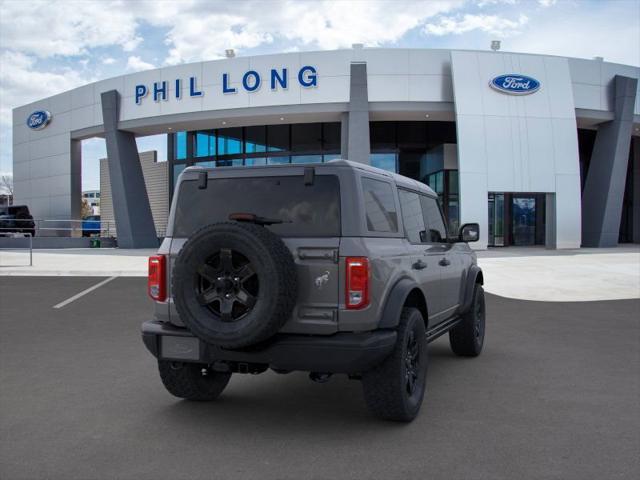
(85, 262)
(585, 274)
(522, 273)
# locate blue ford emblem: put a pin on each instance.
(38, 120)
(515, 84)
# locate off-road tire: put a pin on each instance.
(385, 386)
(276, 272)
(192, 381)
(467, 338)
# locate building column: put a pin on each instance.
(635, 205)
(75, 156)
(358, 144)
(131, 209)
(604, 187)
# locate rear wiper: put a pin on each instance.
(256, 219)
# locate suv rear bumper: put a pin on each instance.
(339, 353)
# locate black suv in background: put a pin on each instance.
(17, 219)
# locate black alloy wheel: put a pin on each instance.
(412, 363)
(478, 321)
(228, 285)
(467, 337)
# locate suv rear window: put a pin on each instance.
(308, 210)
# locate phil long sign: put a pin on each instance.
(515, 84)
(251, 81)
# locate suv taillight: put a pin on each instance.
(156, 282)
(357, 284)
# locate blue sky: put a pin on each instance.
(47, 47)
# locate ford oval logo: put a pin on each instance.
(38, 120)
(515, 84)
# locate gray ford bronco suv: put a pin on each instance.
(327, 268)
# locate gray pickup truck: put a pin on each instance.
(327, 268)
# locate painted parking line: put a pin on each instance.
(84, 292)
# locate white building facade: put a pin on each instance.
(536, 149)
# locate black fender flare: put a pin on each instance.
(395, 301)
(473, 276)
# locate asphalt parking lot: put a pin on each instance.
(554, 395)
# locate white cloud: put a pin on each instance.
(135, 64)
(584, 34)
(108, 61)
(46, 29)
(547, 3)
(203, 30)
(22, 83)
(491, 24)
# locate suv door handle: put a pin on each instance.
(419, 265)
(444, 262)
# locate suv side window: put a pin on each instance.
(380, 206)
(433, 218)
(412, 217)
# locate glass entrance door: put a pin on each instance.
(496, 220)
(523, 214)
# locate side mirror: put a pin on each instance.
(469, 232)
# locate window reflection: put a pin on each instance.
(181, 145)
(306, 159)
(278, 160)
(205, 145)
(255, 139)
(385, 161)
(230, 141)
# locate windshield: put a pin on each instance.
(306, 210)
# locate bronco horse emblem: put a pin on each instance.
(322, 279)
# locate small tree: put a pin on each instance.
(6, 184)
(86, 209)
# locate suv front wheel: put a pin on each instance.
(192, 381)
(394, 389)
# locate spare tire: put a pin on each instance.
(234, 284)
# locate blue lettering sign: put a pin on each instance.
(225, 84)
(192, 88)
(141, 92)
(275, 77)
(310, 80)
(251, 82)
(251, 86)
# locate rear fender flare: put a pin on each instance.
(396, 301)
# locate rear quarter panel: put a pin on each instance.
(387, 263)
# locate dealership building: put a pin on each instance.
(539, 150)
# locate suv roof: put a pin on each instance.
(400, 180)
